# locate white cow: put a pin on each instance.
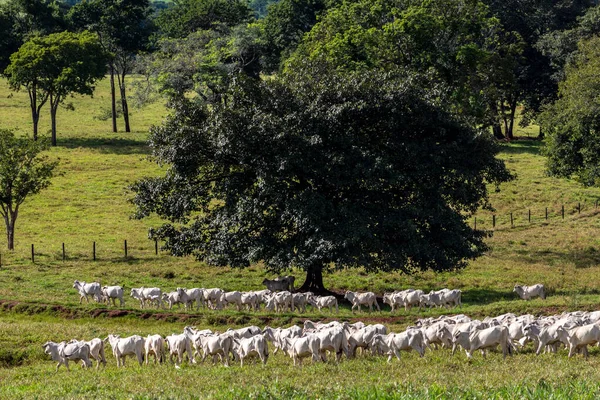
(155, 344)
(299, 348)
(484, 339)
(300, 300)
(277, 336)
(280, 302)
(254, 346)
(88, 289)
(393, 299)
(194, 335)
(250, 300)
(113, 293)
(580, 337)
(234, 297)
(212, 297)
(63, 352)
(179, 345)
(358, 299)
(333, 340)
(194, 294)
(96, 346)
(214, 346)
(177, 297)
(451, 298)
(121, 347)
(363, 337)
(437, 334)
(324, 301)
(529, 292)
(146, 294)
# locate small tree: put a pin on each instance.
(55, 66)
(23, 172)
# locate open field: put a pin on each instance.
(88, 203)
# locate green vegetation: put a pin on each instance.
(89, 203)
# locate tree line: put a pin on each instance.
(325, 133)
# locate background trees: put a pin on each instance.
(54, 66)
(23, 172)
(572, 122)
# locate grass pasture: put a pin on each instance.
(88, 203)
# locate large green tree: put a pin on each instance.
(572, 122)
(53, 67)
(339, 170)
(24, 171)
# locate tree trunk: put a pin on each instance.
(511, 120)
(124, 105)
(497, 130)
(54, 102)
(314, 281)
(541, 135)
(35, 115)
(9, 220)
(113, 97)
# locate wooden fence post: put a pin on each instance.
(578, 208)
(63, 248)
(529, 215)
(156, 246)
(494, 221)
(32, 254)
(125, 248)
(94, 252)
(511, 220)
(475, 225)
(563, 211)
(546, 213)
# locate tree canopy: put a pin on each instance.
(572, 122)
(351, 170)
(55, 66)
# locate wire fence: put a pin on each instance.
(92, 253)
(531, 216)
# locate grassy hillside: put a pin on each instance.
(88, 203)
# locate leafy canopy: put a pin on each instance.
(573, 121)
(347, 170)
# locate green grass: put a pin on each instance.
(88, 203)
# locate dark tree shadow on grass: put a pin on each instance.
(119, 146)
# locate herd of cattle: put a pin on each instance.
(509, 332)
(280, 301)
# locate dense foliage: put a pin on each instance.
(352, 170)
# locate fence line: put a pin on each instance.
(529, 217)
(125, 249)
